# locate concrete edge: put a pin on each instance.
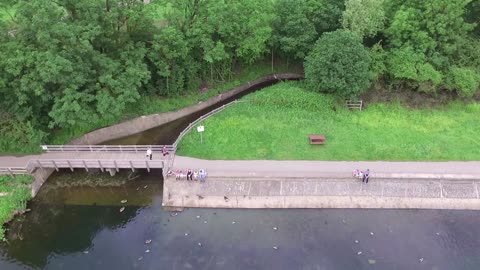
(299, 202)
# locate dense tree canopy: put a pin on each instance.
(339, 64)
(364, 17)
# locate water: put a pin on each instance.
(82, 228)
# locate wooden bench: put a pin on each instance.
(317, 139)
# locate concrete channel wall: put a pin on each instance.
(146, 122)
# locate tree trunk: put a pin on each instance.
(272, 59)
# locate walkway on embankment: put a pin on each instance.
(326, 184)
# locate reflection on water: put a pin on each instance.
(91, 233)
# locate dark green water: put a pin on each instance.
(82, 228)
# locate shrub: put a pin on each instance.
(338, 64)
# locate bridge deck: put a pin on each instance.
(63, 158)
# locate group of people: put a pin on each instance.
(164, 152)
(189, 175)
(364, 175)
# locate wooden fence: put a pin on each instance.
(354, 104)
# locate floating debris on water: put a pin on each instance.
(233, 222)
(205, 222)
(275, 228)
(148, 241)
(85, 252)
(123, 201)
(140, 258)
(356, 241)
(359, 253)
(122, 209)
(437, 233)
(198, 217)
(145, 186)
(343, 221)
(147, 251)
(199, 244)
(275, 247)
(174, 214)
(186, 234)
(371, 261)
(371, 233)
(420, 260)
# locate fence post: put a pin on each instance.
(148, 167)
(131, 165)
(100, 164)
(70, 165)
(85, 164)
(55, 165)
(116, 166)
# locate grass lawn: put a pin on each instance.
(274, 124)
(18, 193)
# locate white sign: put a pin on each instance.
(201, 128)
(44, 147)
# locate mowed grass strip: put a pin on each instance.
(274, 124)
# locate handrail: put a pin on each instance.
(106, 148)
(201, 118)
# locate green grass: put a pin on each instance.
(154, 104)
(274, 124)
(18, 194)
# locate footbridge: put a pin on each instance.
(103, 157)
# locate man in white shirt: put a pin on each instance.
(149, 153)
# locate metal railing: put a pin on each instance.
(101, 164)
(106, 148)
(13, 170)
(201, 118)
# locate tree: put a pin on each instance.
(73, 61)
(294, 34)
(325, 15)
(364, 17)
(339, 64)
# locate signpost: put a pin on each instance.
(200, 130)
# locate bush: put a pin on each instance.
(338, 64)
(465, 80)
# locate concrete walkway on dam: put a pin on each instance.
(326, 184)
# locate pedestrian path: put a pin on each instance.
(332, 169)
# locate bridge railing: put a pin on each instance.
(96, 164)
(106, 148)
(13, 170)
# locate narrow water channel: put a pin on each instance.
(75, 224)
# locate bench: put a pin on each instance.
(317, 139)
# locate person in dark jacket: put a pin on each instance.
(366, 176)
(189, 175)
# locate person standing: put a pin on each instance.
(164, 151)
(189, 175)
(366, 175)
(149, 153)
